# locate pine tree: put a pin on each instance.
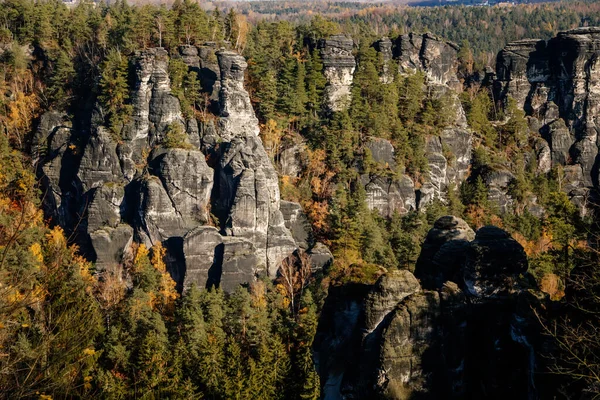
(114, 90)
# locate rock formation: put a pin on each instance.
(339, 65)
(125, 185)
(451, 337)
(556, 82)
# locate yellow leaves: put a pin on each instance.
(552, 285)
(535, 248)
(141, 258)
(56, 238)
(258, 294)
(89, 351)
(36, 252)
(158, 254)
(271, 137)
(87, 383)
(45, 397)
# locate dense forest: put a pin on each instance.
(69, 331)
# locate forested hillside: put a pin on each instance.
(213, 204)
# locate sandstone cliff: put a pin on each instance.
(113, 188)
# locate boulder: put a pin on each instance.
(493, 264)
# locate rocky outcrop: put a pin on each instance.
(189, 192)
(443, 253)
(430, 54)
(384, 47)
(452, 340)
(557, 80)
(448, 155)
(387, 191)
(247, 182)
(338, 67)
(126, 184)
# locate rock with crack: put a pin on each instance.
(493, 264)
(339, 65)
(100, 162)
(247, 181)
(187, 179)
(156, 219)
(202, 249)
(443, 252)
(110, 245)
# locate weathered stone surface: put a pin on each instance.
(297, 222)
(558, 80)
(543, 156)
(239, 263)
(389, 290)
(49, 144)
(100, 163)
(560, 140)
(154, 107)
(188, 181)
(339, 65)
(201, 248)
(409, 349)
(247, 181)
(384, 47)
(514, 71)
(156, 219)
(459, 143)
(389, 195)
(109, 245)
(320, 257)
(430, 54)
(497, 182)
(382, 152)
(455, 342)
(494, 262)
(105, 207)
(292, 160)
(443, 252)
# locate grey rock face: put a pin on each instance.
(493, 264)
(239, 263)
(389, 195)
(560, 141)
(557, 80)
(248, 184)
(339, 65)
(497, 182)
(430, 54)
(449, 155)
(201, 247)
(105, 207)
(110, 245)
(543, 155)
(389, 290)
(156, 218)
(188, 181)
(154, 107)
(407, 343)
(129, 187)
(395, 340)
(459, 142)
(443, 252)
(49, 145)
(297, 222)
(100, 163)
(384, 47)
